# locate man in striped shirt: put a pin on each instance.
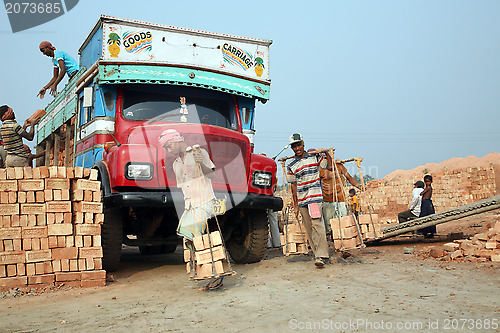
(12, 135)
(303, 175)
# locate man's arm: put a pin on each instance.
(31, 134)
(62, 72)
(41, 93)
(349, 177)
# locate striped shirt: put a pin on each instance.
(12, 139)
(305, 172)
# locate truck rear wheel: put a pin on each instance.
(247, 243)
(111, 233)
(157, 249)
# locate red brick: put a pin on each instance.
(97, 196)
(62, 229)
(90, 252)
(19, 172)
(87, 195)
(44, 172)
(12, 197)
(11, 174)
(21, 269)
(37, 256)
(3, 174)
(8, 245)
(51, 218)
(3, 271)
(84, 184)
(61, 172)
(65, 265)
(72, 284)
(34, 232)
(87, 241)
(97, 263)
(40, 196)
(67, 218)
(9, 209)
(70, 173)
(77, 195)
(47, 267)
(57, 184)
(10, 233)
(87, 207)
(41, 220)
(93, 283)
(28, 172)
(56, 265)
(48, 195)
(13, 282)
(58, 206)
(79, 241)
(33, 208)
(31, 185)
(17, 244)
(26, 244)
(4, 197)
(30, 197)
(86, 173)
(30, 269)
(21, 197)
(59, 217)
(70, 241)
(36, 173)
(65, 195)
(15, 221)
(8, 186)
(12, 257)
(39, 268)
(65, 253)
(11, 270)
(68, 276)
(73, 265)
(88, 229)
(78, 172)
(89, 218)
(82, 264)
(56, 194)
(52, 242)
(53, 171)
(78, 217)
(94, 275)
(38, 279)
(89, 263)
(93, 174)
(61, 241)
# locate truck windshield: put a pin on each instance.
(177, 104)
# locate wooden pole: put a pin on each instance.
(67, 141)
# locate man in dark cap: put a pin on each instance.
(63, 63)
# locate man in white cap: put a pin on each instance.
(303, 175)
(191, 168)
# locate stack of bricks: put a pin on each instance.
(452, 189)
(344, 232)
(208, 254)
(50, 227)
(482, 247)
(294, 239)
(370, 226)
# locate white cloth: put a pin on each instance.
(196, 187)
(416, 201)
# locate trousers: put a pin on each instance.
(316, 233)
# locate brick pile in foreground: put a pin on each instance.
(480, 247)
(50, 228)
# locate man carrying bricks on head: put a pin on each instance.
(12, 135)
(303, 175)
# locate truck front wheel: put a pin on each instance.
(247, 243)
(111, 233)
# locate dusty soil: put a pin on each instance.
(373, 289)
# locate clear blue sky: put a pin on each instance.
(399, 83)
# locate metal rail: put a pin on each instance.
(474, 208)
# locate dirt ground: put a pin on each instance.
(375, 289)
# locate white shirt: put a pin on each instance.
(416, 201)
(196, 187)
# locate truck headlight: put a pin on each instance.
(138, 171)
(262, 179)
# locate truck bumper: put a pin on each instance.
(166, 199)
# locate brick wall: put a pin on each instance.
(451, 189)
(50, 227)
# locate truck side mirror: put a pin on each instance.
(88, 98)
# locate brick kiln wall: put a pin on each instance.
(452, 189)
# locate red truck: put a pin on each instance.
(138, 79)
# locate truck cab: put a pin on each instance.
(137, 80)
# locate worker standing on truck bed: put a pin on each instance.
(63, 63)
(12, 135)
(303, 175)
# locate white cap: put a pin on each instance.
(296, 137)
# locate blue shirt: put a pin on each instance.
(70, 63)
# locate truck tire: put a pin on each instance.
(111, 233)
(247, 243)
(157, 249)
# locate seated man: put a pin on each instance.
(415, 204)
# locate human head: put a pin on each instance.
(428, 179)
(47, 48)
(171, 139)
(297, 144)
(419, 184)
(6, 113)
(352, 192)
